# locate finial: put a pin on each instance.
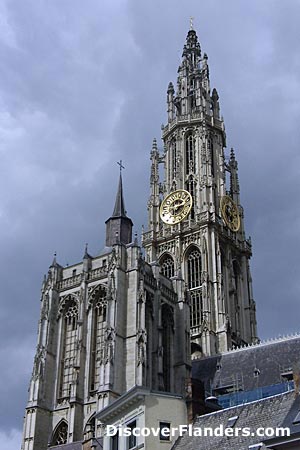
(54, 260)
(121, 166)
(192, 23)
(154, 144)
(86, 251)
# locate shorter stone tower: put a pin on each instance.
(109, 325)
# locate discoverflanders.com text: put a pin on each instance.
(167, 433)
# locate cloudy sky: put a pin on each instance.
(83, 84)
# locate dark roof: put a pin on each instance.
(276, 411)
(97, 445)
(271, 359)
(119, 209)
(72, 446)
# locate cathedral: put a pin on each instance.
(118, 332)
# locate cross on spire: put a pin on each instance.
(121, 165)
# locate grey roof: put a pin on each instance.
(119, 209)
(276, 411)
(97, 445)
(72, 446)
(271, 359)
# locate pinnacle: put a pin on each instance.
(119, 209)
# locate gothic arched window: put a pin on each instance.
(189, 153)
(174, 159)
(191, 187)
(60, 435)
(89, 430)
(70, 317)
(194, 269)
(98, 335)
(167, 266)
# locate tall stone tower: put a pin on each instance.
(208, 247)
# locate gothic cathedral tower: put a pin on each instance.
(207, 248)
(114, 331)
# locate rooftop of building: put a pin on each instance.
(277, 411)
(244, 369)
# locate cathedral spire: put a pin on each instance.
(119, 226)
(119, 209)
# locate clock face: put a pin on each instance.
(230, 213)
(176, 206)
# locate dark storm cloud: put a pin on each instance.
(83, 84)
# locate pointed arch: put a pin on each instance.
(98, 302)
(90, 427)
(193, 262)
(60, 433)
(166, 263)
(191, 188)
(190, 152)
(193, 267)
(66, 301)
(173, 158)
(70, 312)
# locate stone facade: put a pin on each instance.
(114, 332)
(107, 324)
(222, 305)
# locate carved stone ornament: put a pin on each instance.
(39, 362)
(65, 300)
(97, 293)
(141, 344)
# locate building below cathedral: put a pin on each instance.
(140, 336)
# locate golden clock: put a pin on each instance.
(176, 207)
(230, 213)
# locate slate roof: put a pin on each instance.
(271, 359)
(276, 411)
(97, 445)
(72, 446)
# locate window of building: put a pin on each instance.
(74, 273)
(114, 442)
(164, 431)
(231, 421)
(256, 372)
(174, 158)
(69, 347)
(167, 266)
(194, 269)
(60, 436)
(98, 335)
(297, 418)
(131, 438)
(196, 307)
(191, 187)
(189, 154)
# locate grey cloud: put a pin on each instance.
(83, 84)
